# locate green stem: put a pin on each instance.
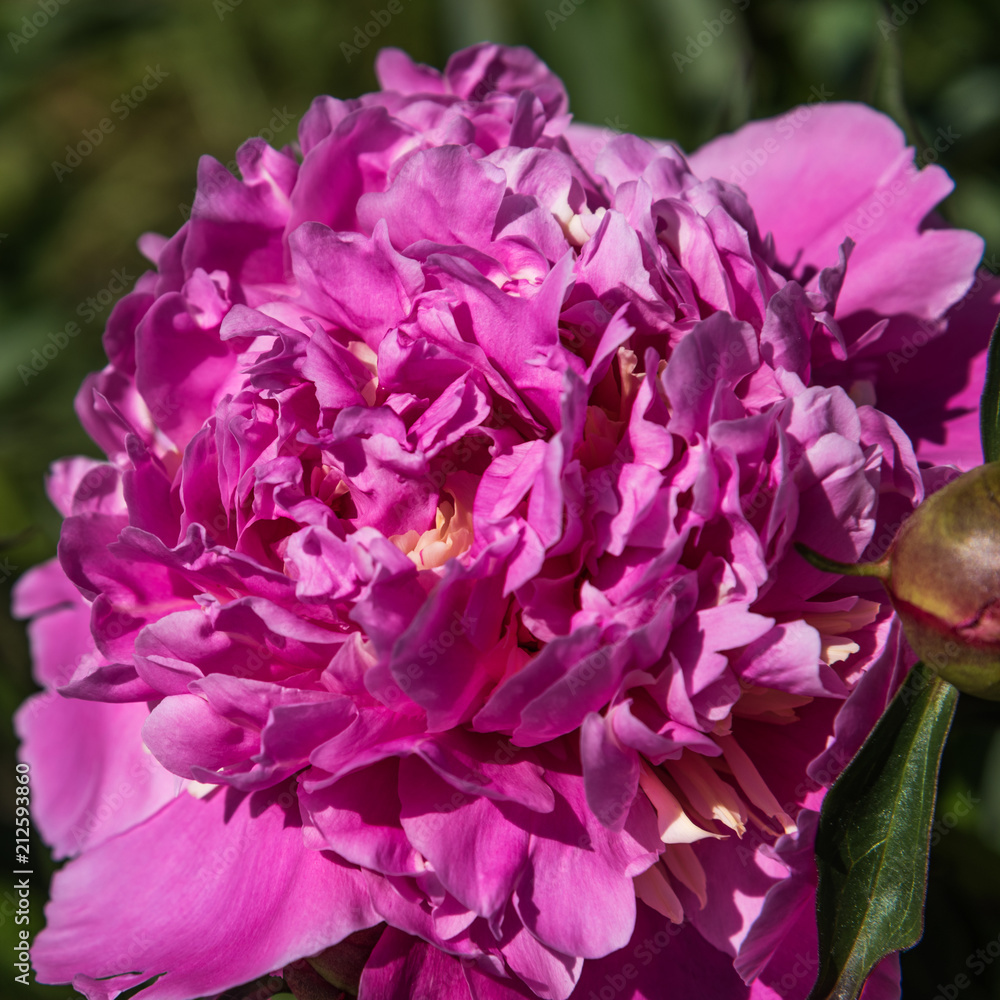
(880, 569)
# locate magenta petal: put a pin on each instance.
(184, 731)
(358, 818)
(569, 849)
(442, 195)
(248, 897)
(458, 624)
(368, 135)
(490, 766)
(478, 848)
(738, 880)
(292, 732)
(932, 388)
(547, 973)
(486, 68)
(91, 776)
(551, 696)
(375, 734)
(880, 201)
(866, 703)
(883, 981)
(60, 634)
(784, 924)
(78, 485)
(237, 225)
(43, 588)
(789, 656)
(403, 903)
(179, 354)
(397, 71)
(463, 406)
(404, 968)
(362, 283)
(147, 490)
(610, 771)
(718, 344)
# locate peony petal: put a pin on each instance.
(478, 848)
(358, 818)
(880, 202)
(253, 898)
(92, 777)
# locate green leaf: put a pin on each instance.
(874, 837)
(989, 406)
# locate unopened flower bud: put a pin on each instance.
(944, 581)
(942, 573)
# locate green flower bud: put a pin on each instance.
(944, 581)
(942, 573)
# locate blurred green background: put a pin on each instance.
(227, 69)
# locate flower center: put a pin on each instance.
(450, 537)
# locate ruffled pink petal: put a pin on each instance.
(570, 847)
(358, 818)
(477, 848)
(880, 200)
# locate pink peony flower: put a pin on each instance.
(441, 575)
